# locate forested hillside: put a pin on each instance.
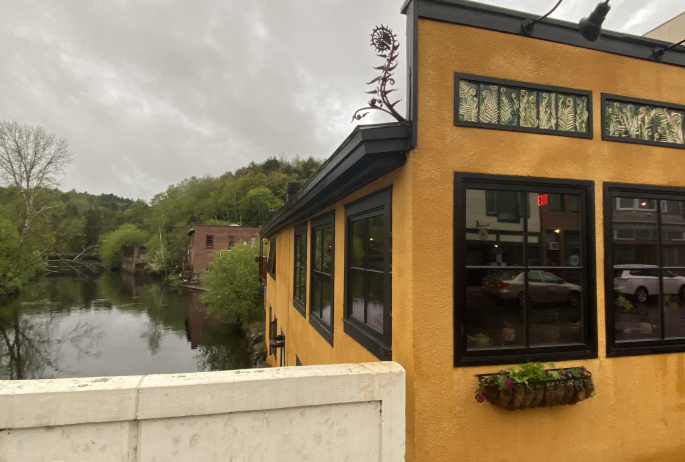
(73, 222)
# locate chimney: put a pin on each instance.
(291, 189)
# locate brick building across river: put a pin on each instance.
(205, 239)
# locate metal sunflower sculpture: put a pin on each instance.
(386, 45)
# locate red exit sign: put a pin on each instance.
(542, 200)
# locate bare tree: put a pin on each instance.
(32, 160)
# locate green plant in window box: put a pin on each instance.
(532, 385)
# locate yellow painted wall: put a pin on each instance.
(638, 412)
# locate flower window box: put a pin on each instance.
(533, 386)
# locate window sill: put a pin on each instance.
(299, 306)
(367, 340)
(645, 349)
(321, 327)
(501, 358)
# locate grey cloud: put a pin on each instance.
(149, 93)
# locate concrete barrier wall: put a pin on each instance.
(352, 412)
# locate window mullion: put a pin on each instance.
(323, 232)
(526, 338)
(366, 266)
(659, 262)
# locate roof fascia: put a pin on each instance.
(468, 13)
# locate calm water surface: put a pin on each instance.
(112, 324)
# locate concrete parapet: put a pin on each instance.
(332, 412)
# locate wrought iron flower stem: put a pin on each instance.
(386, 45)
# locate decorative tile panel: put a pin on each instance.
(641, 121)
(516, 106)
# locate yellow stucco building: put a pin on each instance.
(532, 208)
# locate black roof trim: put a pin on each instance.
(368, 153)
(468, 13)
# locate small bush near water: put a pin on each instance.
(232, 285)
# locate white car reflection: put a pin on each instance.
(543, 287)
(642, 281)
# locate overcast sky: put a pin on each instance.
(149, 93)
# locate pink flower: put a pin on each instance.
(509, 383)
(479, 397)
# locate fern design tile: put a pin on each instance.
(548, 110)
(468, 101)
(566, 117)
(645, 122)
(508, 106)
(489, 104)
(582, 114)
(668, 126)
(528, 108)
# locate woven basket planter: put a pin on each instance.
(540, 394)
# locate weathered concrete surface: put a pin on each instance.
(340, 412)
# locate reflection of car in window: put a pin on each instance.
(642, 281)
(543, 287)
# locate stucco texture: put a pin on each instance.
(638, 412)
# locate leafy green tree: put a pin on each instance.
(257, 204)
(112, 243)
(232, 283)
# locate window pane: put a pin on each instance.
(636, 303)
(556, 203)
(672, 227)
(626, 203)
(357, 250)
(635, 233)
(493, 315)
(646, 204)
(674, 303)
(553, 234)
(303, 284)
(574, 203)
(356, 293)
(327, 300)
(375, 301)
(555, 307)
(315, 288)
(317, 250)
(327, 256)
(489, 241)
(376, 243)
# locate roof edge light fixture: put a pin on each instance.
(659, 51)
(528, 25)
(591, 27)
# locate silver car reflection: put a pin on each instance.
(543, 287)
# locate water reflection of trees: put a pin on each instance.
(35, 333)
(31, 341)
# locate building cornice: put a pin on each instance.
(368, 153)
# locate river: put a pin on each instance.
(112, 324)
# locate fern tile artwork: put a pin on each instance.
(548, 111)
(484, 102)
(528, 109)
(489, 104)
(643, 122)
(582, 114)
(567, 112)
(508, 106)
(468, 101)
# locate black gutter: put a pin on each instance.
(468, 13)
(368, 153)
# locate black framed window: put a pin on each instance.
(300, 269)
(321, 275)
(368, 284)
(271, 260)
(524, 290)
(209, 241)
(645, 269)
(231, 241)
